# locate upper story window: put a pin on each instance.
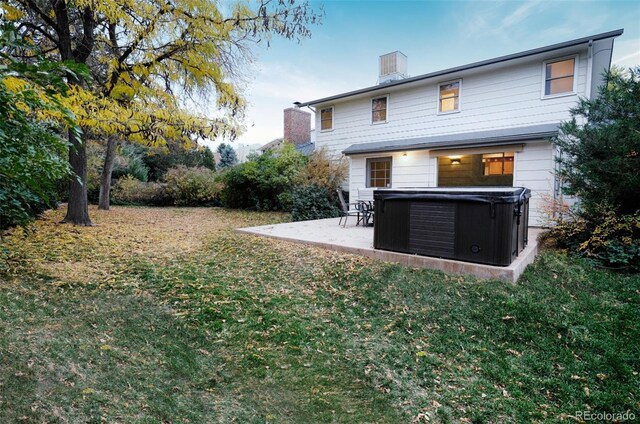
(449, 97)
(326, 118)
(379, 109)
(498, 163)
(559, 76)
(379, 172)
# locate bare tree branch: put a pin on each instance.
(39, 29)
(30, 4)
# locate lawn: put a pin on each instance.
(160, 315)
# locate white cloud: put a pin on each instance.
(502, 21)
(518, 15)
(274, 88)
(626, 53)
(287, 82)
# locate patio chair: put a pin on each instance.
(371, 215)
(347, 211)
(365, 196)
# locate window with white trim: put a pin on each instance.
(379, 172)
(379, 109)
(449, 96)
(326, 118)
(559, 76)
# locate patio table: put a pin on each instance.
(366, 208)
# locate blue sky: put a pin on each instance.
(342, 54)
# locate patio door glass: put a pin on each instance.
(491, 169)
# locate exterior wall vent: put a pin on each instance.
(393, 67)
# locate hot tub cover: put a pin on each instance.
(469, 194)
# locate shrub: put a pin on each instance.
(600, 158)
(131, 191)
(33, 150)
(129, 160)
(613, 241)
(599, 163)
(32, 164)
(162, 158)
(313, 202)
(192, 186)
(324, 171)
(262, 182)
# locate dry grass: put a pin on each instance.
(93, 254)
(167, 315)
(160, 293)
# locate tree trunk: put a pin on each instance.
(105, 177)
(78, 207)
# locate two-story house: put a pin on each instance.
(485, 123)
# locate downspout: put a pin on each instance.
(308, 107)
(589, 69)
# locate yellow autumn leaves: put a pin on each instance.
(9, 12)
(155, 56)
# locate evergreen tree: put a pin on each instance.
(600, 147)
(599, 162)
(228, 156)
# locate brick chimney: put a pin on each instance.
(297, 125)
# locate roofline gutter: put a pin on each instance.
(497, 141)
(572, 43)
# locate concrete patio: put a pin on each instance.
(326, 233)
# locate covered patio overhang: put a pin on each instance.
(478, 139)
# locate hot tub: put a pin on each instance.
(486, 225)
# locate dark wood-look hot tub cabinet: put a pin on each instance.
(486, 225)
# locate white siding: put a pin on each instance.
(533, 169)
(416, 170)
(504, 96)
(498, 98)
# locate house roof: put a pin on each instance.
(473, 65)
(306, 148)
(272, 144)
(471, 139)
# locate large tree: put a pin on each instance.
(31, 119)
(146, 58)
(600, 164)
(600, 147)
